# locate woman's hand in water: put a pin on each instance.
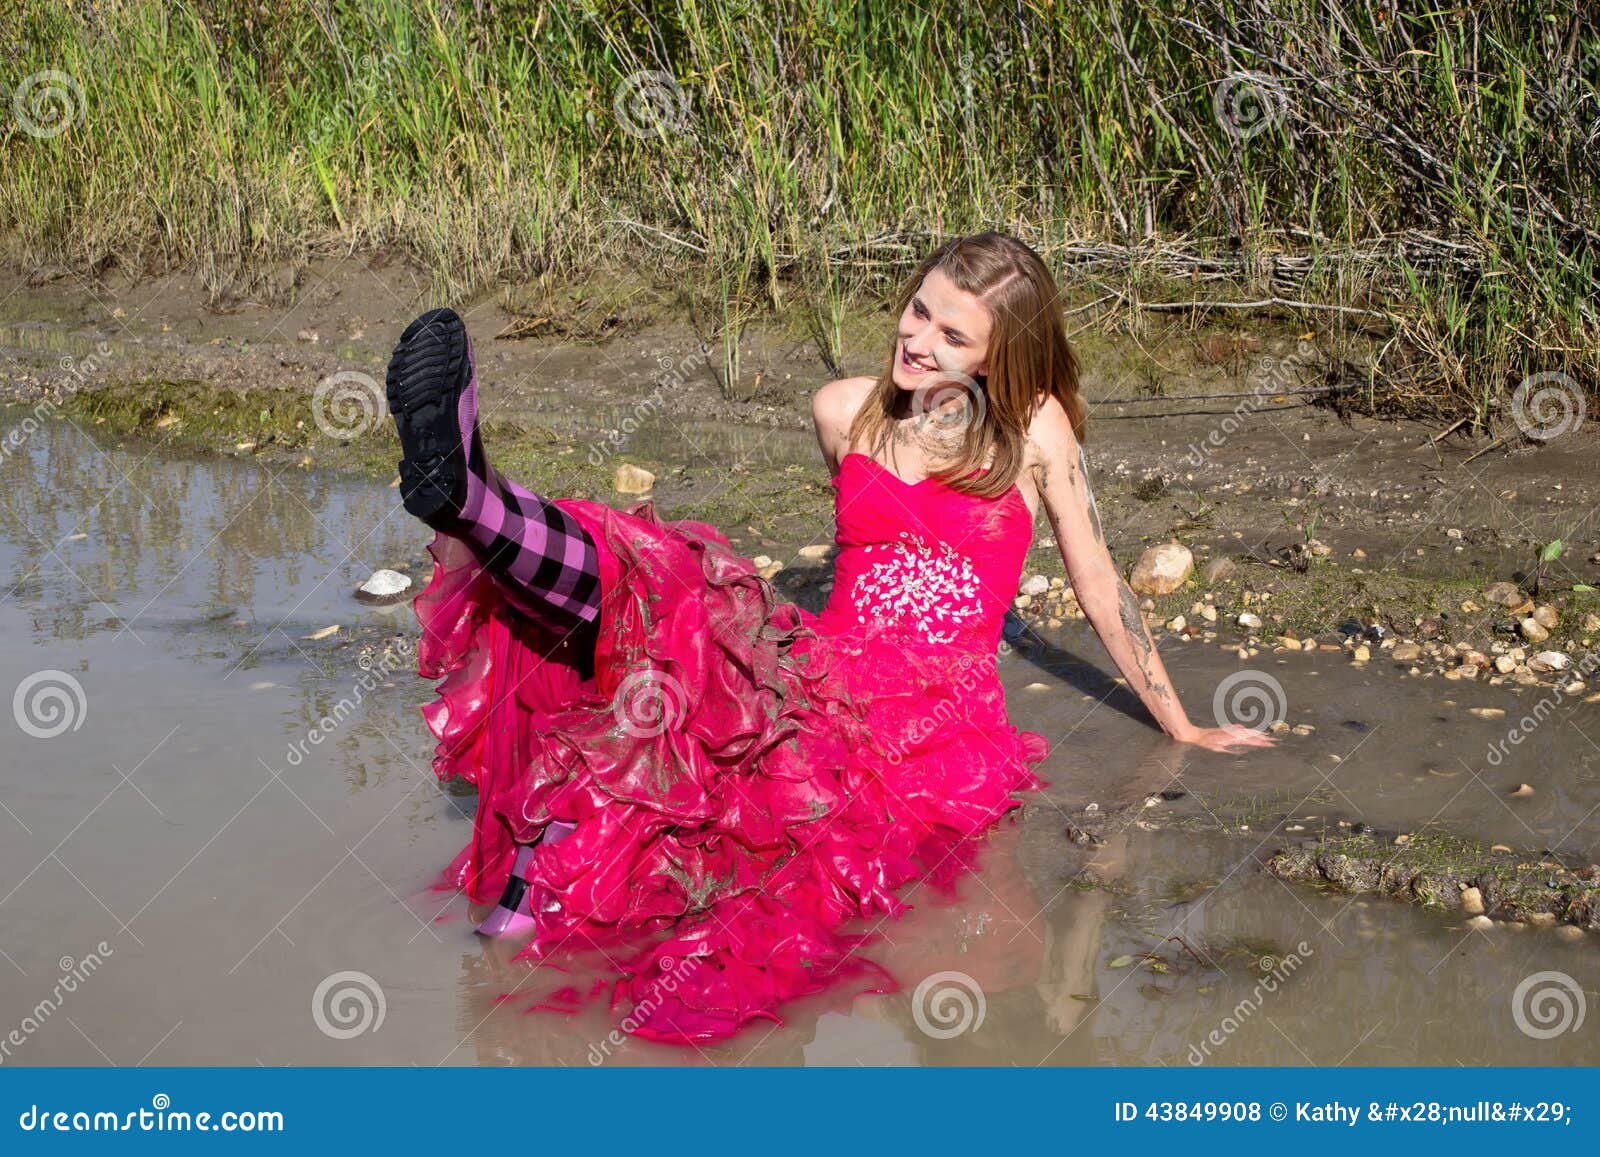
(1227, 738)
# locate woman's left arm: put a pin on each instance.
(1109, 603)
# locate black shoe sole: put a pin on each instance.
(427, 374)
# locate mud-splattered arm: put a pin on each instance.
(1111, 607)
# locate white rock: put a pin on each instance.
(1549, 661)
(1162, 569)
(1034, 585)
(385, 586)
(1250, 622)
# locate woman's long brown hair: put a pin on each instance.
(1029, 356)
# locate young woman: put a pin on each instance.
(674, 764)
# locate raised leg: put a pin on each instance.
(539, 555)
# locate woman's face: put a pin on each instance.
(943, 332)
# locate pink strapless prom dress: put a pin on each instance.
(751, 783)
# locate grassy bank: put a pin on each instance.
(1428, 174)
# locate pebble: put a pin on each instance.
(1481, 923)
(1361, 654)
(816, 551)
(1488, 712)
(1162, 569)
(1547, 661)
(1035, 585)
(631, 479)
(1472, 901)
(1250, 622)
(383, 588)
(1532, 630)
(1546, 616)
(1406, 653)
(1570, 932)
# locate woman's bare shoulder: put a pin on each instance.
(837, 401)
(1050, 437)
(833, 409)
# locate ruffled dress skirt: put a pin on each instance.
(750, 787)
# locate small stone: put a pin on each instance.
(1546, 616)
(1358, 553)
(384, 588)
(1481, 923)
(1501, 848)
(1505, 664)
(1177, 624)
(631, 479)
(1504, 594)
(1250, 622)
(1570, 932)
(1361, 654)
(1453, 533)
(1488, 712)
(1022, 602)
(1208, 613)
(1035, 585)
(1037, 687)
(1162, 569)
(1472, 901)
(1219, 570)
(1406, 653)
(772, 568)
(816, 551)
(761, 561)
(1303, 729)
(309, 336)
(1532, 630)
(1522, 791)
(1547, 661)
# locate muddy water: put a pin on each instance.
(186, 879)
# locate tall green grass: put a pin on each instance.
(1434, 166)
